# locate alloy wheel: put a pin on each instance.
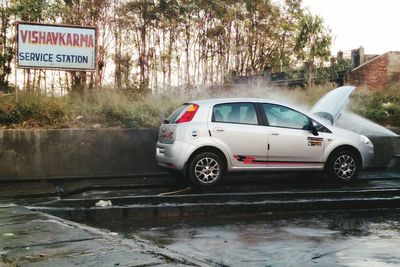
(207, 170)
(345, 167)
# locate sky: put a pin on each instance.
(373, 24)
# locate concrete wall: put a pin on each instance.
(80, 152)
(378, 72)
(77, 152)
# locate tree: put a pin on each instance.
(159, 44)
(6, 48)
(142, 16)
(312, 43)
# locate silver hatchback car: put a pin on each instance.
(205, 139)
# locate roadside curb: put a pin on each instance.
(60, 178)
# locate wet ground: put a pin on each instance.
(35, 239)
(339, 239)
(234, 224)
(262, 182)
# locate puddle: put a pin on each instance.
(340, 239)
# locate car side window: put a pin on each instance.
(281, 116)
(244, 113)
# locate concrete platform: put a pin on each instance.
(35, 239)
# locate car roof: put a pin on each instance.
(234, 99)
(239, 99)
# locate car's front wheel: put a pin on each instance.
(344, 165)
(206, 169)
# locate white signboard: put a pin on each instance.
(56, 46)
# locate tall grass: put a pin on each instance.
(381, 106)
(108, 108)
(32, 111)
(111, 108)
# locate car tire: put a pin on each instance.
(344, 165)
(206, 169)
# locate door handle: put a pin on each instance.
(275, 133)
(218, 130)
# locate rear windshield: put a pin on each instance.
(176, 114)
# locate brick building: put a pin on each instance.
(377, 72)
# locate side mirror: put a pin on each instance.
(313, 128)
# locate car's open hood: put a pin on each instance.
(331, 105)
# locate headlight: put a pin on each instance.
(365, 140)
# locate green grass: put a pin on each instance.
(381, 106)
(32, 111)
(110, 108)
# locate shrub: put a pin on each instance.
(382, 106)
(111, 108)
(9, 114)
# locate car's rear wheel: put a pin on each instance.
(206, 169)
(344, 165)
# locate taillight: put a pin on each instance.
(189, 114)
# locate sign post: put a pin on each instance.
(15, 46)
(15, 81)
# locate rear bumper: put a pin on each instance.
(173, 156)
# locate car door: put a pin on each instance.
(291, 143)
(236, 128)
